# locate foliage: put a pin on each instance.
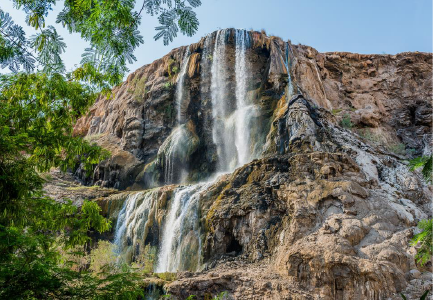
(380, 139)
(370, 136)
(424, 162)
(424, 241)
(170, 68)
(336, 111)
(102, 258)
(220, 296)
(140, 88)
(423, 297)
(167, 276)
(176, 15)
(346, 122)
(12, 55)
(398, 148)
(38, 108)
(30, 263)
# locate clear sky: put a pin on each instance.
(362, 26)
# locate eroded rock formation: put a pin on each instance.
(326, 206)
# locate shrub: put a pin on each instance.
(336, 111)
(424, 241)
(399, 148)
(346, 122)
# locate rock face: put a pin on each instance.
(326, 206)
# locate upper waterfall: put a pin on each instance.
(231, 121)
(243, 107)
(222, 133)
(180, 87)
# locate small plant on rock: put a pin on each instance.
(423, 297)
(336, 111)
(399, 149)
(346, 122)
(424, 241)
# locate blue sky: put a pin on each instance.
(362, 26)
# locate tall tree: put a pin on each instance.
(39, 104)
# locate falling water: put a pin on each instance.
(231, 128)
(181, 86)
(180, 246)
(134, 220)
(288, 63)
(172, 149)
(222, 134)
(125, 212)
(243, 108)
(181, 237)
(174, 144)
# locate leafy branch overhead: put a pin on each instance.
(39, 104)
(110, 27)
(174, 15)
(13, 45)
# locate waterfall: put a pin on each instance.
(233, 114)
(288, 63)
(172, 149)
(181, 236)
(133, 221)
(243, 108)
(231, 128)
(125, 212)
(222, 134)
(181, 86)
(173, 146)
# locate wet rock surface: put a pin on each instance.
(328, 208)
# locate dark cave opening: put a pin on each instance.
(235, 247)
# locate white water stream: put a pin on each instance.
(180, 244)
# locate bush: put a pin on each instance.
(424, 242)
(346, 122)
(399, 149)
(336, 111)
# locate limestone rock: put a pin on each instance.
(326, 211)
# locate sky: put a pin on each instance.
(362, 26)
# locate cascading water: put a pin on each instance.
(174, 145)
(288, 63)
(231, 136)
(205, 61)
(222, 134)
(133, 222)
(121, 224)
(232, 118)
(243, 111)
(181, 86)
(172, 148)
(231, 128)
(181, 243)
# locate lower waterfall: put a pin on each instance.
(133, 223)
(181, 243)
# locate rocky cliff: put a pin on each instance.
(316, 200)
